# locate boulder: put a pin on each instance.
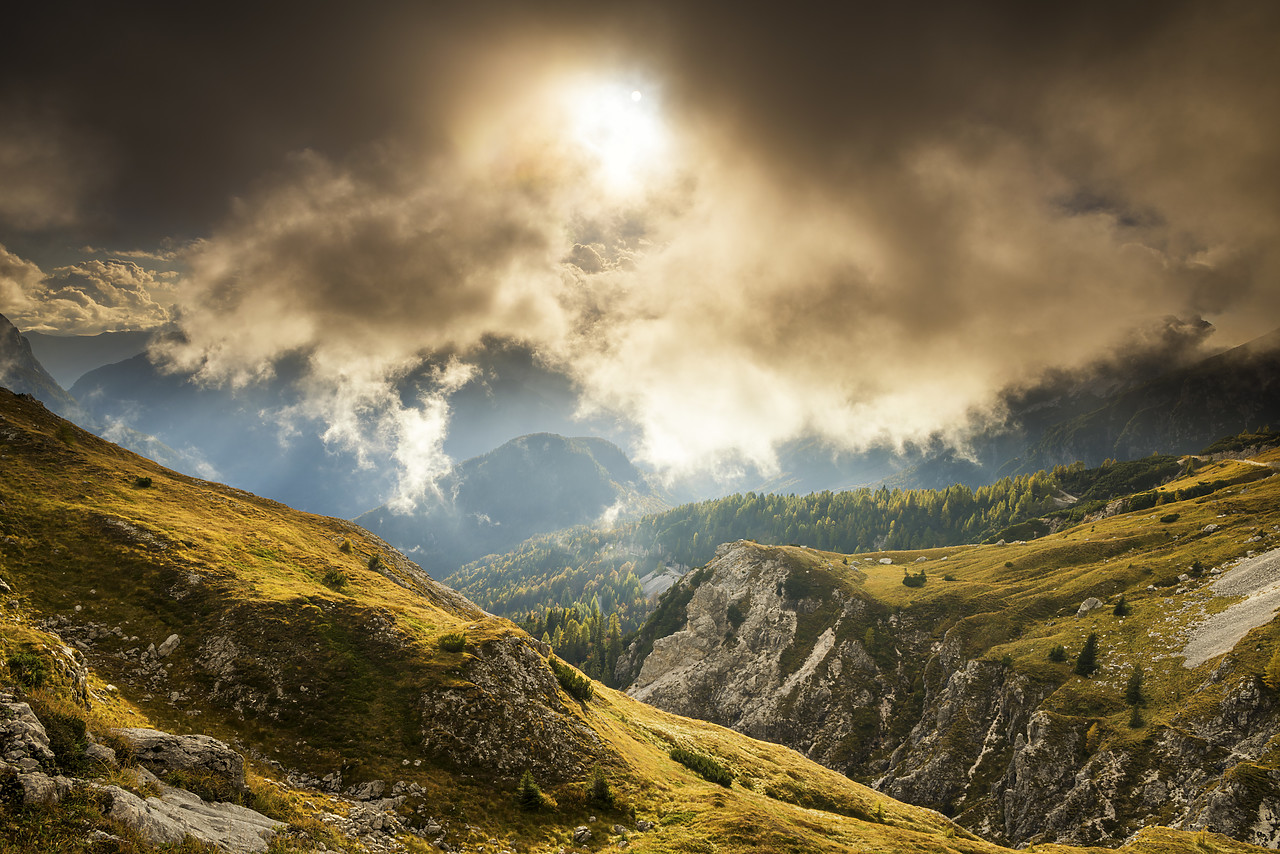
(177, 813)
(24, 744)
(1088, 605)
(169, 645)
(164, 753)
(581, 835)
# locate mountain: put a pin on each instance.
(258, 437)
(21, 372)
(530, 485)
(1117, 412)
(958, 678)
(182, 657)
(69, 357)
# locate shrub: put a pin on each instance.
(1133, 688)
(1169, 517)
(452, 642)
(948, 577)
(574, 683)
(736, 614)
(600, 792)
(1058, 653)
(335, 578)
(375, 562)
(66, 731)
(703, 765)
(528, 795)
(346, 546)
(914, 580)
(1087, 661)
(142, 482)
(1135, 718)
(27, 668)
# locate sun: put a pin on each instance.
(620, 129)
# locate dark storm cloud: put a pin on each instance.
(866, 223)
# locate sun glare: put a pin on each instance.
(620, 129)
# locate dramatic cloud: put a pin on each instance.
(731, 228)
(85, 298)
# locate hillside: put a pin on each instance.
(957, 678)
(623, 567)
(343, 673)
(530, 485)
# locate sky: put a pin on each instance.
(730, 225)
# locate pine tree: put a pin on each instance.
(528, 795)
(600, 792)
(1087, 662)
(1133, 688)
(1122, 608)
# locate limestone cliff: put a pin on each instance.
(793, 646)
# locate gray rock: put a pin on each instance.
(581, 835)
(169, 645)
(508, 717)
(23, 740)
(1210, 528)
(42, 789)
(367, 791)
(177, 813)
(101, 754)
(1088, 605)
(162, 753)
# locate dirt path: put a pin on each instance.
(1256, 578)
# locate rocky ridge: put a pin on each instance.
(792, 646)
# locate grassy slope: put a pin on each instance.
(199, 559)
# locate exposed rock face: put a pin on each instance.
(177, 813)
(162, 753)
(24, 744)
(767, 650)
(511, 716)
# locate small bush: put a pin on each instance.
(1133, 688)
(452, 642)
(1008, 564)
(142, 482)
(528, 795)
(67, 734)
(335, 578)
(375, 562)
(574, 683)
(346, 547)
(27, 668)
(1122, 608)
(1169, 517)
(211, 787)
(736, 614)
(703, 765)
(948, 577)
(914, 579)
(1058, 653)
(1087, 661)
(600, 793)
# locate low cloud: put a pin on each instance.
(86, 298)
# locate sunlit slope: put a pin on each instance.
(316, 650)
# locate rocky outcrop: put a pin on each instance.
(507, 716)
(775, 648)
(176, 814)
(201, 755)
